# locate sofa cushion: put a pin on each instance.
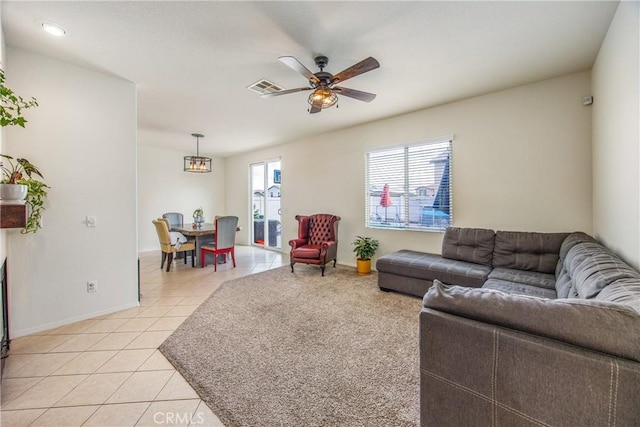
(426, 266)
(533, 278)
(528, 251)
(468, 244)
(519, 288)
(598, 325)
(591, 267)
(571, 240)
(623, 291)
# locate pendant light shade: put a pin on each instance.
(197, 163)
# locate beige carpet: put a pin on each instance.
(283, 349)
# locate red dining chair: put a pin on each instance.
(224, 243)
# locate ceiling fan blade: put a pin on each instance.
(296, 65)
(356, 94)
(355, 70)
(284, 92)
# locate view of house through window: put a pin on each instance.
(409, 187)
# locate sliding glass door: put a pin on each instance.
(265, 204)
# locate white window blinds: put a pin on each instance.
(409, 187)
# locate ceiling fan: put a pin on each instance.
(323, 84)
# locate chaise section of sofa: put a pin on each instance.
(413, 272)
(466, 260)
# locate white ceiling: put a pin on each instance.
(192, 61)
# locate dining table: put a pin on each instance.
(204, 234)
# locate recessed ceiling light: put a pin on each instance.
(53, 29)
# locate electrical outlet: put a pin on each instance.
(92, 286)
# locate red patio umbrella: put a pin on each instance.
(385, 200)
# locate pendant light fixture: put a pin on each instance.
(197, 163)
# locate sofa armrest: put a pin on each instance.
(596, 325)
(477, 373)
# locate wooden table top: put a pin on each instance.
(188, 230)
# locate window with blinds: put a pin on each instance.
(409, 187)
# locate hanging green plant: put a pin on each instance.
(22, 172)
(11, 105)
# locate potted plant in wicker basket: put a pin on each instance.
(365, 248)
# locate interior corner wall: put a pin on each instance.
(616, 135)
(163, 186)
(521, 161)
(83, 139)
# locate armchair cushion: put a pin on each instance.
(307, 252)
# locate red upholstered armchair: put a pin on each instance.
(317, 241)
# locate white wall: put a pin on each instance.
(616, 140)
(83, 139)
(521, 161)
(163, 186)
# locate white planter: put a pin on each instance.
(13, 193)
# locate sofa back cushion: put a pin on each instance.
(468, 244)
(622, 291)
(571, 240)
(589, 268)
(528, 251)
(598, 325)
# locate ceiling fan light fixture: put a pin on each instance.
(323, 97)
(197, 163)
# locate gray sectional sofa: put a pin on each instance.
(540, 329)
(509, 260)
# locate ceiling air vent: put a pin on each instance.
(264, 86)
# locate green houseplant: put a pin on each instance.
(198, 216)
(18, 181)
(11, 105)
(21, 172)
(365, 248)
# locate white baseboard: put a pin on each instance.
(57, 324)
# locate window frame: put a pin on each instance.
(407, 226)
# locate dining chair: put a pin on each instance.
(169, 248)
(224, 243)
(176, 219)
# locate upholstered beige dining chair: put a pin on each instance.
(168, 248)
(224, 243)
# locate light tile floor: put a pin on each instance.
(107, 371)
